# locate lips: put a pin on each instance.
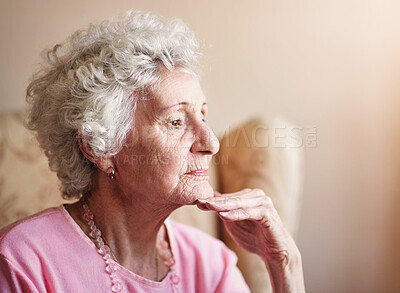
(199, 172)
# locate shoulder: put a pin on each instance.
(24, 233)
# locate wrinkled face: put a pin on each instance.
(169, 151)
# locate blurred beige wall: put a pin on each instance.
(334, 65)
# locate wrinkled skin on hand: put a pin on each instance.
(254, 224)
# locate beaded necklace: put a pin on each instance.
(105, 251)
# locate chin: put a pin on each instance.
(202, 192)
(189, 195)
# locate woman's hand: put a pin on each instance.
(254, 224)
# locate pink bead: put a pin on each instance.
(100, 241)
(116, 287)
(111, 268)
(175, 279)
(103, 250)
(88, 216)
(95, 233)
(108, 260)
(164, 244)
(169, 262)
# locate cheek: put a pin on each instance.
(171, 150)
(161, 158)
(172, 162)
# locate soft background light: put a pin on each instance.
(334, 65)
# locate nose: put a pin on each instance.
(206, 142)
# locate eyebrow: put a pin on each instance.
(179, 104)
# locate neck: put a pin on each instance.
(130, 225)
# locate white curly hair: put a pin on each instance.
(88, 86)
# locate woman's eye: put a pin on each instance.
(176, 123)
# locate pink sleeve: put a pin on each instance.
(232, 280)
(13, 279)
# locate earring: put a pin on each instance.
(111, 174)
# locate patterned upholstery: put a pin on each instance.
(26, 183)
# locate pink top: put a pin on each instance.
(48, 252)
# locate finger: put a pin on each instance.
(218, 196)
(228, 204)
(255, 214)
(223, 198)
(202, 206)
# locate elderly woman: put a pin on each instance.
(120, 114)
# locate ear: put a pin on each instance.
(105, 163)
